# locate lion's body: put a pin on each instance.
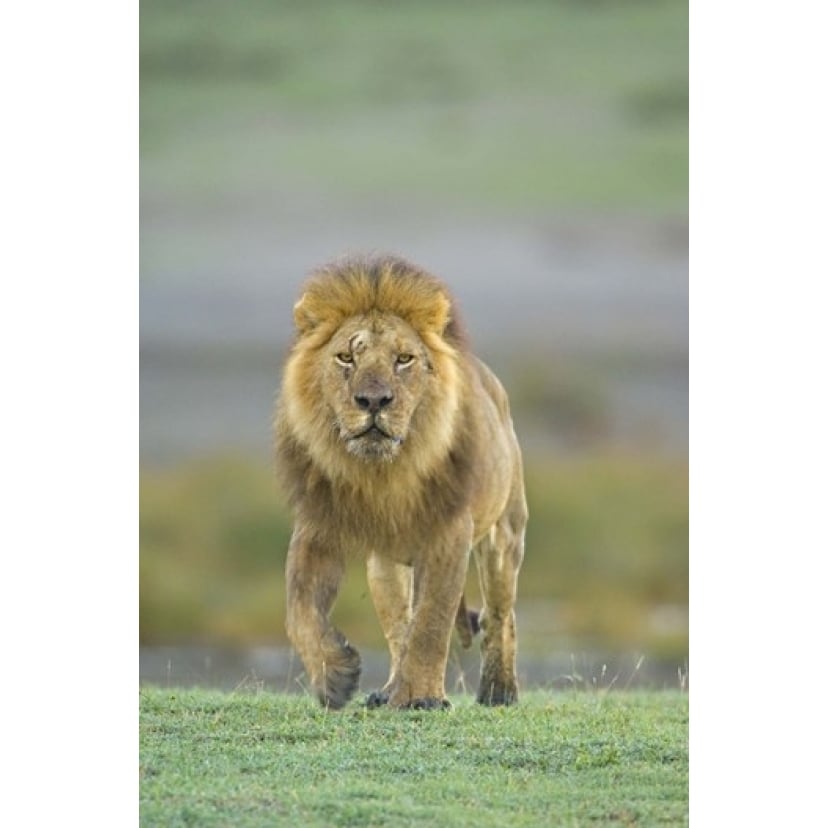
(395, 442)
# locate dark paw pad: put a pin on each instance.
(428, 703)
(376, 699)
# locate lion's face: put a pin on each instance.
(376, 371)
(374, 376)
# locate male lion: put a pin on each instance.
(394, 441)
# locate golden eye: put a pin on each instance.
(405, 359)
(345, 359)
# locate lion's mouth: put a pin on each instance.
(374, 441)
(374, 432)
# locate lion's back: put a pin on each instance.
(499, 475)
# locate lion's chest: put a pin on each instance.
(377, 521)
(391, 519)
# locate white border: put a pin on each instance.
(70, 413)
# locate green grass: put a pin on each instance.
(212, 759)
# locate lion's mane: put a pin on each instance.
(338, 492)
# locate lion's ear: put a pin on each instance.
(302, 317)
(433, 316)
(441, 314)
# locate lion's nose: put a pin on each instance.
(374, 400)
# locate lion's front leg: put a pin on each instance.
(313, 575)
(439, 576)
(391, 591)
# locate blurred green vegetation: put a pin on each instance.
(606, 557)
(487, 105)
(521, 109)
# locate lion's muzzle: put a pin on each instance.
(373, 395)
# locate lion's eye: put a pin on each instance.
(345, 359)
(405, 359)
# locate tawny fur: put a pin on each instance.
(395, 442)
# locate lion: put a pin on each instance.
(394, 442)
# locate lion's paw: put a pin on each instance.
(341, 678)
(376, 699)
(496, 693)
(428, 703)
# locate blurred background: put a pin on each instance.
(534, 155)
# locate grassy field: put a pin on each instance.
(211, 759)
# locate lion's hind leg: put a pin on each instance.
(498, 557)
